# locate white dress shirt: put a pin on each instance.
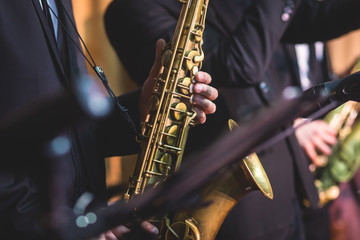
(303, 57)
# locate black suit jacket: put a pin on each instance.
(32, 72)
(241, 41)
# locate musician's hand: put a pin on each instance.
(203, 93)
(315, 137)
(203, 97)
(120, 231)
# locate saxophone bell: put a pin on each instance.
(221, 195)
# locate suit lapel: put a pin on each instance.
(49, 36)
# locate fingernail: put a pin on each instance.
(191, 88)
(199, 75)
(198, 88)
(154, 230)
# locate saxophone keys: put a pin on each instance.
(171, 134)
(165, 162)
(329, 194)
(166, 58)
(194, 71)
(193, 59)
(179, 111)
(197, 34)
(184, 85)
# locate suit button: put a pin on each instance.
(285, 17)
(264, 87)
(288, 10)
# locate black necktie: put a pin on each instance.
(314, 66)
(61, 41)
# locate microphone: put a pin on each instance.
(334, 92)
(342, 90)
(349, 88)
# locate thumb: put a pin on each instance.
(160, 44)
(150, 81)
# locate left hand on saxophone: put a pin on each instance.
(203, 93)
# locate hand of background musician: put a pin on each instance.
(203, 93)
(316, 138)
(148, 230)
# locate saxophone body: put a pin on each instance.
(164, 133)
(170, 112)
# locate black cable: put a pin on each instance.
(98, 70)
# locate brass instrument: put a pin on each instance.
(165, 130)
(170, 115)
(222, 194)
(170, 112)
(345, 158)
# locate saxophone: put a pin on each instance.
(345, 158)
(170, 115)
(165, 129)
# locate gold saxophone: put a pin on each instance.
(170, 115)
(345, 158)
(165, 131)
